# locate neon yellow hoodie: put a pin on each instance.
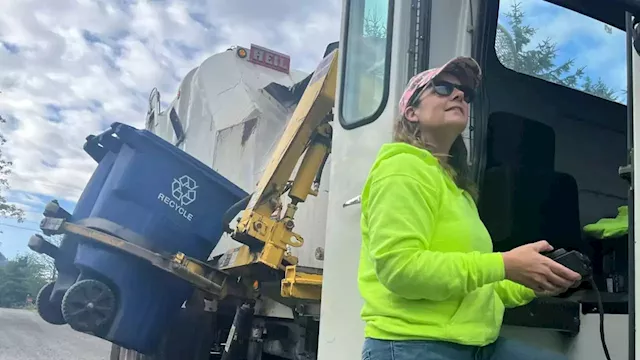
(427, 270)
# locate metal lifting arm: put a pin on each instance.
(309, 131)
(265, 234)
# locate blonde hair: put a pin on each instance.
(455, 165)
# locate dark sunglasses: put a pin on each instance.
(445, 88)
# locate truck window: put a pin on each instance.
(365, 67)
(547, 41)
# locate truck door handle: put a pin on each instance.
(356, 200)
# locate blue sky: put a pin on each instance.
(578, 37)
(69, 68)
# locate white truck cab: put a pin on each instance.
(526, 116)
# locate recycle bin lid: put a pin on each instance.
(133, 136)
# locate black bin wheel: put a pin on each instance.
(88, 306)
(48, 311)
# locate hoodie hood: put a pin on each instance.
(389, 150)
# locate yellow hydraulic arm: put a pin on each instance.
(261, 227)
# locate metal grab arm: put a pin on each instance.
(191, 270)
(308, 130)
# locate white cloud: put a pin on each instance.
(70, 68)
(32, 211)
(28, 199)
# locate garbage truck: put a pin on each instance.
(227, 231)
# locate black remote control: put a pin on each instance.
(573, 260)
(581, 264)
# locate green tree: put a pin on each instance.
(374, 26)
(7, 210)
(374, 33)
(19, 277)
(48, 263)
(514, 52)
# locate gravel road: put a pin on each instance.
(25, 336)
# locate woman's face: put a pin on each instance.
(437, 113)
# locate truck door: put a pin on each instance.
(633, 131)
(383, 43)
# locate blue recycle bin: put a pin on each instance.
(64, 262)
(156, 196)
(49, 300)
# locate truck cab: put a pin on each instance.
(548, 148)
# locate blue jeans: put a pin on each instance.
(502, 349)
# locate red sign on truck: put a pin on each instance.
(269, 58)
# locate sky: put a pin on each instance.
(578, 37)
(69, 68)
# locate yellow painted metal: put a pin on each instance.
(276, 244)
(316, 102)
(191, 265)
(307, 130)
(237, 257)
(310, 165)
(301, 285)
(191, 270)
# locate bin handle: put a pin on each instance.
(110, 131)
(93, 148)
(98, 145)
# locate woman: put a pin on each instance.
(432, 286)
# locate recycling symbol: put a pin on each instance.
(184, 190)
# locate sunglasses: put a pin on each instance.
(445, 88)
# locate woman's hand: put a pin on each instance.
(525, 265)
(557, 292)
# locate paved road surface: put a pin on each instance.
(24, 336)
